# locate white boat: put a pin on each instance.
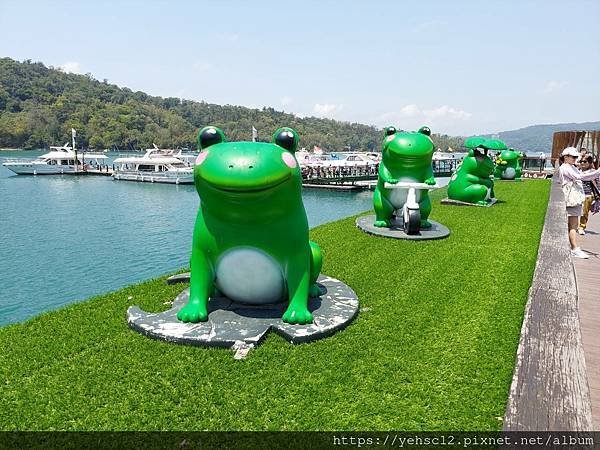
(156, 166)
(354, 159)
(60, 160)
(306, 159)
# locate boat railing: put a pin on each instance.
(18, 160)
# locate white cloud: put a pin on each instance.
(426, 26)
(285, 100)
(229, 37)
(410, 117)
(71, 67)
(411, 110)
(203, 66)
(327, 109)
(446, 112)
(553, 86)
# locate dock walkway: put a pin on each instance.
(588, 288)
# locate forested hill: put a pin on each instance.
(538, 138)
(40, 105)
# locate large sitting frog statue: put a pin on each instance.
(250, 239)
(406, 156)
(472, 182)
(508, 165)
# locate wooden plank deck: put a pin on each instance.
(549, 390)
(588, 287)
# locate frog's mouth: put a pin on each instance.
(248, 189)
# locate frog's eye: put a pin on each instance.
(425, 130)
(390, 130)
(286, 138)
(210, 136)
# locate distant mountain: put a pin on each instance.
(538, 138)
(39, 105)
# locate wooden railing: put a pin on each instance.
(549, 390)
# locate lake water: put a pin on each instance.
(66, 238)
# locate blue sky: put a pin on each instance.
(461, 67)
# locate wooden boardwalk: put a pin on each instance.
(588, 287)
(550, 389)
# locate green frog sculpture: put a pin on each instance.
(508, 165)
(472, 181)
(251, 234)
(406, 157)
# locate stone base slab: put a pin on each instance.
(449, 201)
(235, 325)
(396, 231)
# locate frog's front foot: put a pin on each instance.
(297, 315)
(425, 224)
(314, 291)
(193, 312)
(430, 181)
(393, 180)
(482, 203)
(381, 223)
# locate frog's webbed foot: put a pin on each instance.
(381, 223)
(193, 312)
(297, 315)
(482, 203)
(314, 290)
(430, 181)
(425, 224)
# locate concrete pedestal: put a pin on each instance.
(236, 325)
(396, 231)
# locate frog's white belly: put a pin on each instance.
(398, 195)
(509, 173)
(249, 275)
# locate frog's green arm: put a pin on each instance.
(486, 182)
(385, 174)
(472, 178)
(201, 281)
(298, 280)
(430, 178)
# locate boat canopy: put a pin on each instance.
(155, 160)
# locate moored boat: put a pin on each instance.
(60, 160)
(156, 166)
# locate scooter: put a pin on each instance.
(411, 214)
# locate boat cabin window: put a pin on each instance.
(531, 163)
(146, 168)
(178, 165)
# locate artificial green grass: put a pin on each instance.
(433, 347)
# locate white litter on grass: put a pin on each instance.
(241, 349)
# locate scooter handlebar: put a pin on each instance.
(408, 185)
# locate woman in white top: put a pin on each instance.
(569, 173)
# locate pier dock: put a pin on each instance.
(360, 177)
(588, 289)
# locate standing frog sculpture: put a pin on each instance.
(406, 157)
(508, 165)
(251, 234)
(472, 182)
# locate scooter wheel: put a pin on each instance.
(412, 221)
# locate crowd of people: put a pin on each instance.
(311, 172)
(580, 180)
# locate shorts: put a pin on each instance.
(575, 211)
